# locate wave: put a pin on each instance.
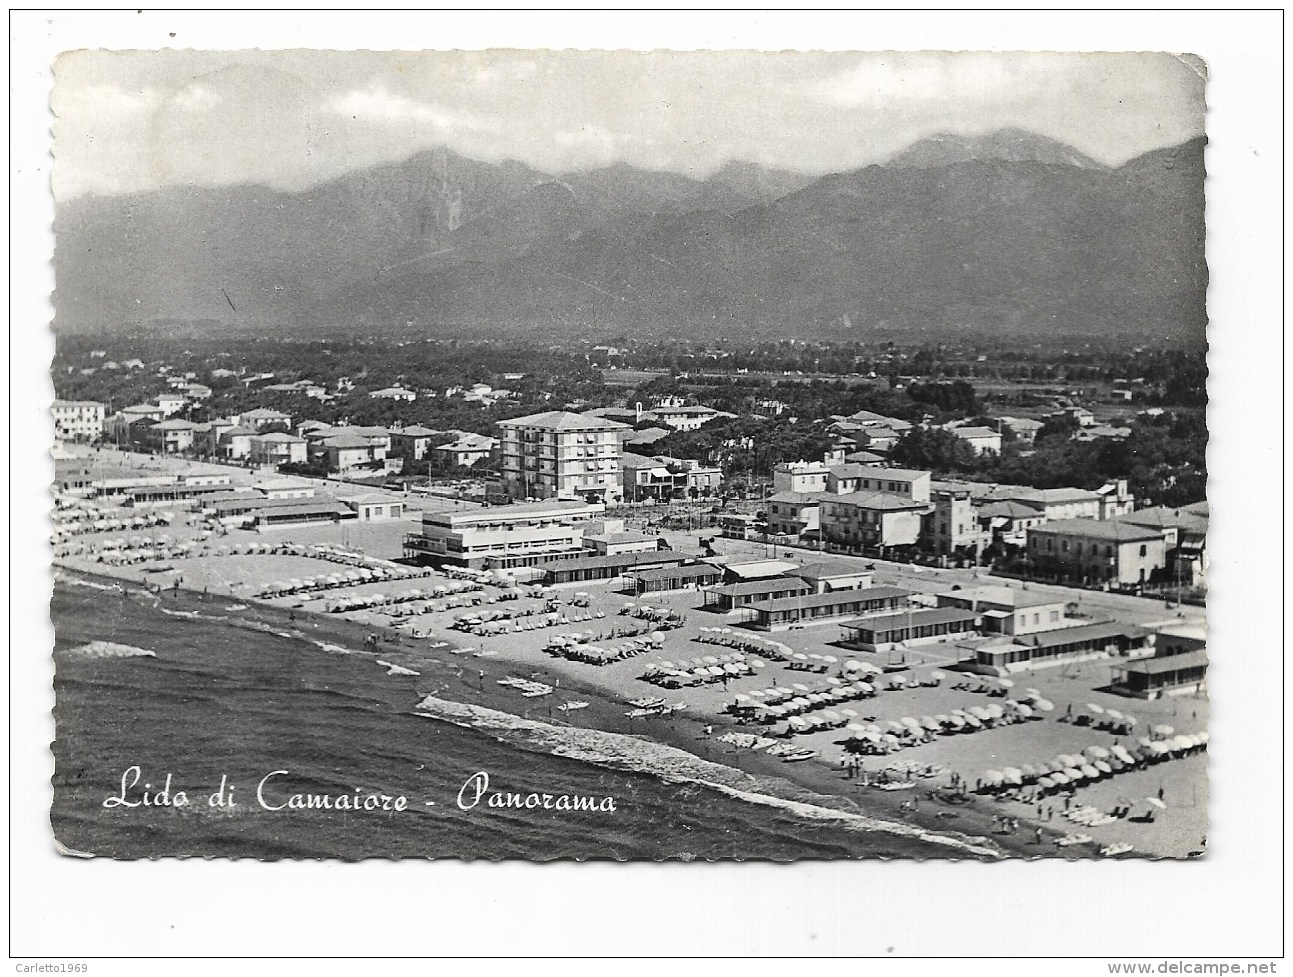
(107, 649)
(393, 669)
(624, 752)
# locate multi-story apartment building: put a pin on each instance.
(1098, 551)
(559, 454)
(794, 513)
(77, 420)
(907, 482)
(800, 476)
(952, 528)
(512, 534)
(875, 521)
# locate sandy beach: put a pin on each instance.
(481, 661)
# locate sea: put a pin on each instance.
(194, 694)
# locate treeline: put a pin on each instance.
(1163, 459)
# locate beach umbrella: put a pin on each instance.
(829, 659)
(993, 776)
(994, 711)
(978, 712)
(710, 660)
(758, 664)
(1046, 782)
(930, 723)
(1099, 752)
(1158, 748)
(1023, 710)
(1073, 773)
(1012, 775)
(799, 686)
(1033, 692)
(833, 680)
(852, 666)
(1102, 766)
(1059, 778)
(1162, 730)
(1092, 707)
(972, 720)
(937, 675)
(1029, 771)
(851, 713)
(1121, 753)
(1130, 720)
(1157, 803)
(1113, 714)
(942, 719)
(1044, 705)
(1005, 683)
(910, 722)
(1090, 772)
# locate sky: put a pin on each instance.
(140, 120)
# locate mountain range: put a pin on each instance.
(1009, 232)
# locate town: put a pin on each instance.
(921, 527)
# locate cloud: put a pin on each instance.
(378, 104)
(197, 98)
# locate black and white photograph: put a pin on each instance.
(606, 455)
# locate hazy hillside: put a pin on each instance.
(1010, 231)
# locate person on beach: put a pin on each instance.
(1038, 832)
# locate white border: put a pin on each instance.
(1229, 904)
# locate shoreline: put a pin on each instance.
(812, 783)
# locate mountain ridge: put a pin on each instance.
(440, 242)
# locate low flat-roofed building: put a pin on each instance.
(1152, 678)
(1004, 656)
(788, 612)
(1008, 611)
(374, 507)
(518, 535)
(656, 580)
(172, 436)
(826, 576)
(883, 632)
(586, 569)
(300, 512)
(738, 570)
(733, 596)
(614, 543)
(1098, 551)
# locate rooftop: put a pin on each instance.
(975, 432)
(562, 420)
(878, 471)
(1167, 663)
(832, 599)
(1006, 596)
(796, 498)
(915, 619)
(1113, 531)
(1161, 517)
(884, 501)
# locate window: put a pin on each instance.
(1143, 549)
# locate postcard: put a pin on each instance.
(689, 456)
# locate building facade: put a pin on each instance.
(77, 420)
(532, 530)
(559, 454)
(1098, 552)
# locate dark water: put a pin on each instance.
(222, 700)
